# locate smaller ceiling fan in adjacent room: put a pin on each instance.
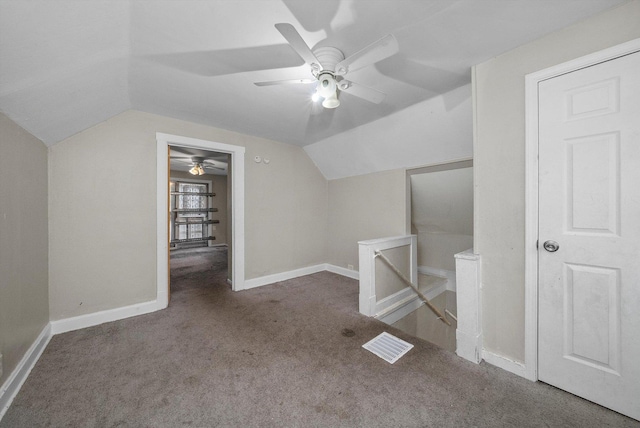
(328, 66)
(198, 162)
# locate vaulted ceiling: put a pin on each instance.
(66, 65)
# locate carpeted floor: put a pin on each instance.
(278, 356)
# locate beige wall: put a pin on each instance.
(103, 206)
(365, 207)
(499, 162)
(24, 299)
(387, 281)
(442, 215)
(286, 209)
(219, 187)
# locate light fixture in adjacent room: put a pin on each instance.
(197, 168)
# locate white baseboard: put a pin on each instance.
(354, 274)
(14, 382)
(283, 276)
(394, 302)
(426, 270)
(504, 363)
(97, 318)
(400, 310)
(400, 304)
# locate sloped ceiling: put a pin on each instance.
(67, 65)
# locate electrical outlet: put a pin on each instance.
(350, 267)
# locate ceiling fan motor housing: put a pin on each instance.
(328, 57)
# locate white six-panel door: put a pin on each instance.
(589, 208)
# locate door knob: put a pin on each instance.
(551, 246)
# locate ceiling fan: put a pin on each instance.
(199, 164)
(328, 67)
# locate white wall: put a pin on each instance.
(499, 163)
(434, 131)
(442, 215)
(24, 298)
(103, 209)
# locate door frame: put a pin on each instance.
(531, 188)
(237, 207)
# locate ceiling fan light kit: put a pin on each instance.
(197, 170)
(198, 167)
(328, 89)
(328, 65)
(331, 102)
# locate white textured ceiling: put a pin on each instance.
(67, 65)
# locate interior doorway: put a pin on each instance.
(199, 224)
(235, 214)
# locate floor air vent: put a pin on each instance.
(388, 347)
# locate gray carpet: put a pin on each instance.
(280, 355)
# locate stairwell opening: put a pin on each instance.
(442, 219)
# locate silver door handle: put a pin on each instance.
(551, 246)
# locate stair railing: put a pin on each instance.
(404, 279)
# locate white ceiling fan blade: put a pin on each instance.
(364, 92)
(294, 38)
(186, 161)
(376, 51)
(285, 82)
(214, 163)
(214, 167)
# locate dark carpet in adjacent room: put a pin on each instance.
(275, 356)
